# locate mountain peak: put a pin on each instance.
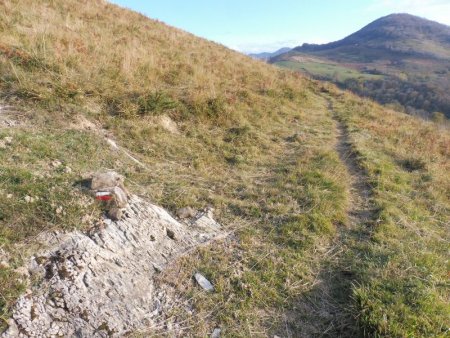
(402, 25)
(398, 33)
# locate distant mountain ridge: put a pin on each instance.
(268, 55)
(399, 59)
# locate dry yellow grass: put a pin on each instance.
(256, 142)
(99, 55)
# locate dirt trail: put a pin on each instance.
(324, 310)
(360, 212)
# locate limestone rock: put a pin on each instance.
(106, 181)
(112, 183)
(101, 284)
(120, 197)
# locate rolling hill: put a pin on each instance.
(268, 55)
(400, 59)
(336, 209)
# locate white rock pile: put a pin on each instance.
(101, 284)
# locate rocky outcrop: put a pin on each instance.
(101, 284)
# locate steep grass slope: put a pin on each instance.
(210, 126)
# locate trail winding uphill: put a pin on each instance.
(324, 311)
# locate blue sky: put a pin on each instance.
(266, 25)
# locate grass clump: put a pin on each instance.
(155, 103)
(413, 164)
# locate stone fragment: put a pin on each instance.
(186, 212)
(106, 181)
(56, 163)
(216, 333)
(209, 211)
(29, 199)
(157, 267)
(115, 214)
(203, 282)
(120, 197)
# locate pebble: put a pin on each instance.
(56, 163)
(29, 199)
(157, 267)
(203, 282)
(216, 333)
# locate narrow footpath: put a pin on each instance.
(325, 310)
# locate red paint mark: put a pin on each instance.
(103, 197)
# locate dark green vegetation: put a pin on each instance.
(408, 57)
(212, 126)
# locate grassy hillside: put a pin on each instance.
(405, 61)
(260, 144)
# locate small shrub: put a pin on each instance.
(215, 107)
(413, 164)
(155, 103)
(438, 117)
(288, 93)
(237, 133)
(20, 57)
(235, 159)
(123, 107)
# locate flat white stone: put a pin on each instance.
(203, 282)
